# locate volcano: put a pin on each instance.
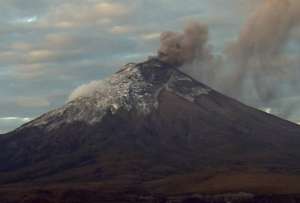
(153, 128)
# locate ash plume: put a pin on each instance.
(254, 68)
(180, 48)
(260, 47)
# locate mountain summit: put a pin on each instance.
(147, 122)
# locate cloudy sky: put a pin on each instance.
(50, 47)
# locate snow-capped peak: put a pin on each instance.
(135, 87)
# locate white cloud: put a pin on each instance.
(151, 36)
(121, 29)
(30, 19)
(18, 119)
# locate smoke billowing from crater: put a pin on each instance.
(255, 68)
(181, 48)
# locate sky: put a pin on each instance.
(50, 47)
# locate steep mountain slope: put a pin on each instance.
(148, 121)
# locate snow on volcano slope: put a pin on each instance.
(135, 87)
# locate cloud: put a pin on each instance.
(8, 123)
(58, 41)
(21, 46)
(65, 15)
(18, 119)
(151, 36)
(8, 57)
(40, 56)
(111, 9)
(32, 102)
(29, 71)
(121, 29)
(30, 19)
